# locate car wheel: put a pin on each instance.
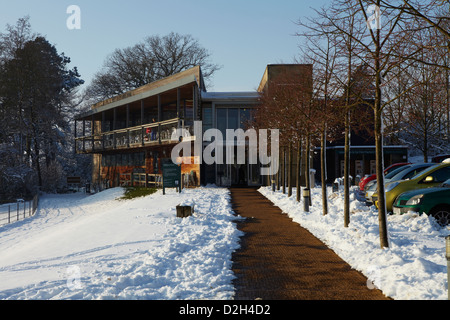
(442, 215)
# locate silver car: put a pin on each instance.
(402, 173)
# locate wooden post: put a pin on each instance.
(178, 102)
(127, 124)
(84, 134)
(194, 103)
(159, 108)
(159, 132)
(142, 112)
(114, 118)
(92, 132)
(103, 121)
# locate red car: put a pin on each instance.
(367, 179)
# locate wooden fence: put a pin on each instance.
(140, 180)
(13, 212)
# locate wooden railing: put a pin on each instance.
(139, 136)
(140, 180)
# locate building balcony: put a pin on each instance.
(146, 135)
(146, 116)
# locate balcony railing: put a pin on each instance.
(134, 137)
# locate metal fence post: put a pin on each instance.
(9, 213)
(447, 255)
(17, 211)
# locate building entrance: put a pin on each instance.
(234, 174)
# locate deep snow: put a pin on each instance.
(97, 247)
(414, 266)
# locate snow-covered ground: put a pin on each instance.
(97, 247)
(414, 266)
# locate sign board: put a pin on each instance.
(73, 180)
(171, 176)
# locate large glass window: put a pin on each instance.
(222, 120)
(244, 115)
(207, 118)
(233, 118)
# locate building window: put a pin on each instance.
(207, 118)
(122, 160)
(232, 118)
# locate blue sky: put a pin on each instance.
(242, 36)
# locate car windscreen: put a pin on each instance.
(425, 171)
(411, 172)
(396, 171)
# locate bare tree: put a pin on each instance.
(319, 48)
(15, 38)
(150, 60)
(343, 21)
(286, 105)
(377, 49)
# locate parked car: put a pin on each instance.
(431, 177)
(371, 177)
(402, 173)
(434, 202)
(371, 186)
(440, 158)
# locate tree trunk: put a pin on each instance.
(37, 163)
(382, 211)
(278, 172)
(307, 165)
(290, 171)
(347, 170)
(299, 169)
(323, 169)
(283, 172)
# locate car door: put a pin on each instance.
(437, 177)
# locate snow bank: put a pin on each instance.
(412, 268)
(97, 247)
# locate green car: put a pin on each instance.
(434, 202)
(432, 177)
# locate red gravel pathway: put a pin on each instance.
(280, 260)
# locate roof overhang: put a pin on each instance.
(190, 76)
(242, 96)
